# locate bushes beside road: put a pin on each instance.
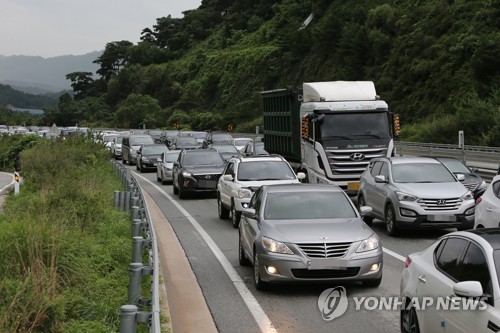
(64, 249)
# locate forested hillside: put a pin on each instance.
(435, 62)
(23, 100)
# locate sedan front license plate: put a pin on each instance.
(447, 218)
(327, 264)
(212, 184)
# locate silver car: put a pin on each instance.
(307, 233)
(415, 192)
(165, 165)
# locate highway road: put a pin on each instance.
(6, 180)
(211, 246)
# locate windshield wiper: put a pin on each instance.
(369, 135)
(337, 137)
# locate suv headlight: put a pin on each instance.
(186, 174)
(244, 193)
(144, 159)
(368, 244)
(274, 246)
(483, 185)
(402, 196)
(467, 196)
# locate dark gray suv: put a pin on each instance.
(131, 144)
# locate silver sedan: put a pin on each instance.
(308, 233)
(165, 165)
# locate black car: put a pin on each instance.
(472, 180)
(217, 139)
(147, 156)
(197, 171)
(254, 148)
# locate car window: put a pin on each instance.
(229, 169)
(421, 173)
(152, 150)
(474, 267)
(143, 140)
(384, 170)
(308, 206)
(447, 261)
(259, 150)
(454, 165)
(171, 157)
(375, 169)
(265, 170)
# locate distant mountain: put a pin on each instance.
(41, 75)
(19, 99)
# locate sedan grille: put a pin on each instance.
(440, 204)
(207, 177)
(324, 250)
(301, 273)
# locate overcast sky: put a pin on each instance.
(51, 28)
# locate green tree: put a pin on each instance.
(137, 110)
(113, 59)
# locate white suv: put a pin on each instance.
(244, 175)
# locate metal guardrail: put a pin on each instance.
(485, 159)
(143, 241)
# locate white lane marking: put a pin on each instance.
(394, 254)
(253, 305)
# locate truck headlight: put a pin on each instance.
(368, 244)
(402, 196)
(244, 193)
(272, 245)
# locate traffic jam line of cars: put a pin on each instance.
(294, 232)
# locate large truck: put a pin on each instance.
(329, 130)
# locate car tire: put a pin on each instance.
(372, 283)
(182, 193)
(361, 202)
(124, 161)
(175, 188)
(259, 284)
(391, 224)
(164, 182)
(235, 216)
(242, 258)
(409, 321)
(223, 211)
(158, 178)
(141, 168)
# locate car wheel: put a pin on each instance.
(235, 216)
(141, 168)
(361, 202)
(259, 284)
(182, 193)
(223, 211)
(158, 177)
(241, 253)
(124, 161)
(372, 283)
(175, 188)
(391, 224)
(164, 182)
(409, 321)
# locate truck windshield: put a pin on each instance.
(349, 126)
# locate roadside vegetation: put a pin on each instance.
(64, 249)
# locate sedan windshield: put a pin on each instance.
(259, 150)
(221, 137)
(421, 173)
(307, 206)
(264, 170)
(454, 165)
(185, 140)
(171, 157)
(203, 158)
(225, 149)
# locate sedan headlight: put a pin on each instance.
(186, 174)
(274, 246)
(468, 196)
(368, 244)
(402, 196)
(244, 193)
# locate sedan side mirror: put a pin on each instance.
(468, 289)
(365, 210)
(301, 175)
(380, 179)
(460, 177)
(249, 212)
(228, 178)
(474, 170)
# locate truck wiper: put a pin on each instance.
(337, 137)
(369, 135)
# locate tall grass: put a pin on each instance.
(64, 249)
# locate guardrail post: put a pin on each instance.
(128, 323)
(136, 227)
(117, 199)
(135, 212)
(137, 249)
(135, 201)
(127, 201)
(122, 200)
(134, 287)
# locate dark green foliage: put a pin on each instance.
(427, 58)
(19, 99)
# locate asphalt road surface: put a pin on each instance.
(211, 246)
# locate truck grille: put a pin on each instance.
(440, 204)
(324, 250)
(350, 161)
